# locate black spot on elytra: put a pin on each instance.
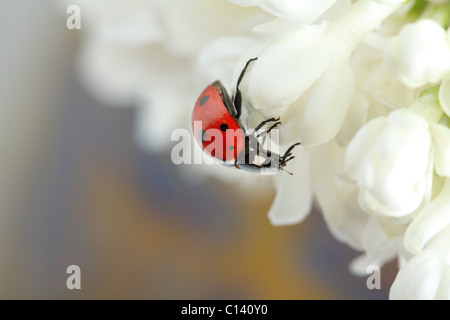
(231, 147)
(224, 127)
(204, 100)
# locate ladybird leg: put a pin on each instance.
(290, 148)
(264, 133)
(266, 121)
(241, 76)
(238, 104)
(287, 155)
(238, 96)
(270, 129)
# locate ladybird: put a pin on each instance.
(219, 116)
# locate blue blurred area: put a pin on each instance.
(76, 190)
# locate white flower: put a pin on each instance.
(337, 197)
(420, 54)
(389, 159)
(426, 275)
(382, 242)
(302, 10)
(413, 239)
(376, 163)
(131, 23)
(441, 138)
(429, 221)
(310, 83)
(444, 96)
(305, 75)
(144, 53)
(435, 215)
(286, 209)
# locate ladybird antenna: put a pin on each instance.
(287, 171)
(288, 151)
(288, 159)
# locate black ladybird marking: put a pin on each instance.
(204, 100)
(224, 127)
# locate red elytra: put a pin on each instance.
(211, 112)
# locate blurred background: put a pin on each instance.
(75, 189)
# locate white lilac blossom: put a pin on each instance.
(389, 159)
(336, 197)
(420, 53)
(286, 209)
(435, 215)
(299, 10)
(141, 53)
(444, 96)
(311, 80)
(377, 158)
(310, 83)
(363, 85)
(429, 221)
(382, 242)
(161, 68)
(426, 275)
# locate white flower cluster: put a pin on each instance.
(364, 85)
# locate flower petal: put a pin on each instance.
(245, 3)
(360, 146)
(418, 280)
(337, 197)
(327, 105)
(218, 59)
(130, 24)
(286, 69)
(441, 137)
(305, 10)
(420, 54)
(384, 253)
(444, 96)
(355, 119)
(293, 200)
(302, 10)
(433, 218)
(392, 173)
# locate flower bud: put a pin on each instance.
(420, 54)
(389, 159)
